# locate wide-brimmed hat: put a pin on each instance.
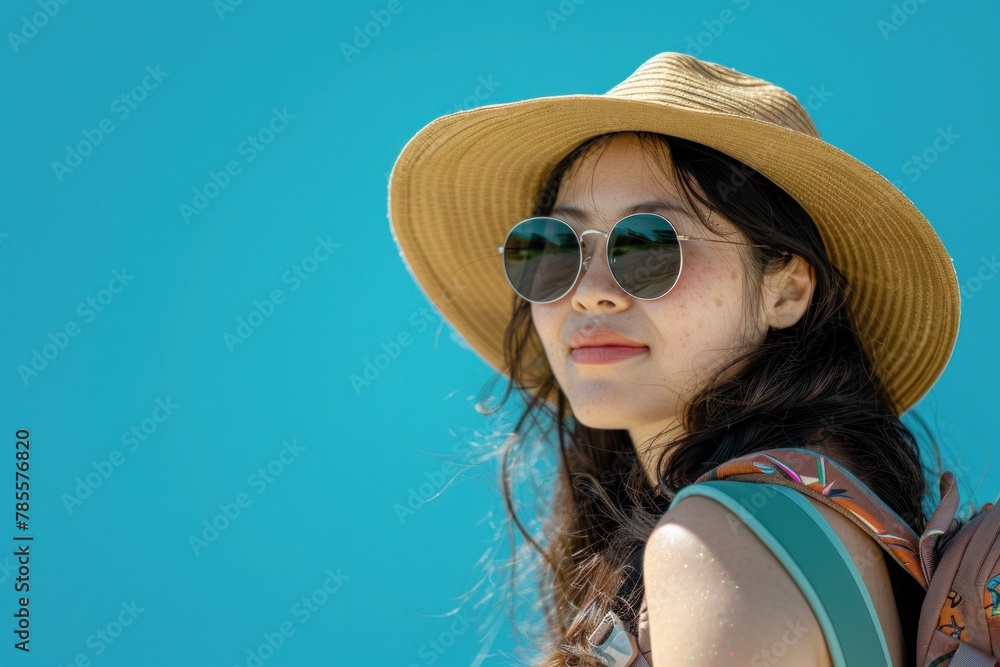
(466, 178)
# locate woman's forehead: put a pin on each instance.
(619, 173)
(625, 175)
(622, 161)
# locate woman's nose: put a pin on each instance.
(596, 287)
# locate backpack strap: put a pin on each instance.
(813, 554)
(805, 472)
(820, 478)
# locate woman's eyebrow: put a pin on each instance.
(650, 206)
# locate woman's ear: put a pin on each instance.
(788, 293)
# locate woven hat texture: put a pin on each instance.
(465, 178)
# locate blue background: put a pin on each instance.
(332, 506)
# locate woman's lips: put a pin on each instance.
(605, 354)
(592, 345)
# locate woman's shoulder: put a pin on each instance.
(736, 596)
(716, 594)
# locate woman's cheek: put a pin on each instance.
(546, 323)
(701, 326)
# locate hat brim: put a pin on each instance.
(463, 180)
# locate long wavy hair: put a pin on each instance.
(809, 384)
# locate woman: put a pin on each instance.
(762, 290)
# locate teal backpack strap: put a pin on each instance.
(813, 554)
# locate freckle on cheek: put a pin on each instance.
(717, 301)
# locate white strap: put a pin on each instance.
(615, 646)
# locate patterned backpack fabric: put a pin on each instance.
(957, 563)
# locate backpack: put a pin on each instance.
(956, 562)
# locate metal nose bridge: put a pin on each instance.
(590, 254)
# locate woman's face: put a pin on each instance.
(684, 336)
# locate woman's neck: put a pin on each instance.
(649, 441)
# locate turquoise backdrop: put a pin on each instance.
(196, 260)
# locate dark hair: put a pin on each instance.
(807, 385)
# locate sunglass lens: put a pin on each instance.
(645, 255)
(542, 259)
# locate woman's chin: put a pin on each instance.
(611, 408)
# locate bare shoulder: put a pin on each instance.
(717, 595)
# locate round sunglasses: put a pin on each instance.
(543, 257)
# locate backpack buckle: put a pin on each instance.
(613, 645)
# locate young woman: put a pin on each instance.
(675, 274)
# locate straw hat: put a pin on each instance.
(463, 180)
